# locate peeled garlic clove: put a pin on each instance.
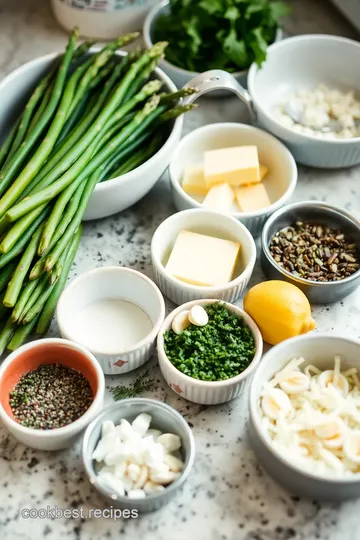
(107, 428)
(175, 464)
(151, 487)
(294, 382)
(351, 446)
(119, 470)
(198, 316)
(142, 477)
(180, 322)
(331, 432)
(109, 481)
(169, 441)
(276, 403)
(104, 446)
(136, 494)
(327, 377)
(118, 455)
(164, 478)
(154, 433)
(141, 423)
(133, 471)
(125, 430)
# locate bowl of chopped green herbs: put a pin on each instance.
(212, 34)
(213, 363)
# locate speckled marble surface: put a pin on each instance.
(228, 497)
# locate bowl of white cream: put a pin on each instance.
(116, 313)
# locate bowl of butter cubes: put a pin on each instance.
(234, 169)
(138, 454)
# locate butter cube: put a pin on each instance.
(220, 197)
(253, 197)
(203, 260)
(263, 172)
(193, 181)
(235, 166)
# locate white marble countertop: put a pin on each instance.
(228, 496)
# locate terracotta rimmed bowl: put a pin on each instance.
(31, 356)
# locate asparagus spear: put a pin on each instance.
(40, 286)
(19, 228)
(50, 306)
(20, 335)
(6, 333)
(16, 282)
(6, 273)
(7, 175)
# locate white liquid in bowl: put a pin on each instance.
(111, 325)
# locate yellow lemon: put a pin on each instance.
(280, 310)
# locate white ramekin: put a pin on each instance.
(279, 182)
(206, 392)
(205, 222)
(113, 282)
(29, 357)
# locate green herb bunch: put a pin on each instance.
(222, 34)
(221, 349)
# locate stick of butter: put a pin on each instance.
(220, 198)
(251, 198)
(203, 260)
(194, 181)
(236, 166)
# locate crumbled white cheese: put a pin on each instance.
(312, 417)
(320, 105)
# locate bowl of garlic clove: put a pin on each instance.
(138, 454)
(305, 418)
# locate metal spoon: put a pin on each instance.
(295, 109)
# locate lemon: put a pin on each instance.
(280, 309)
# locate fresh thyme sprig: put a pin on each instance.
(142, 383)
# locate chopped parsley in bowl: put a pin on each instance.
(219, 350)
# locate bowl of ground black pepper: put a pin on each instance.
(315, 246)
(50, 390)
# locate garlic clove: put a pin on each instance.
(276, 403)
(294, 382)
(169, 441)
(180, 322)
(198, 316)
(141, 423)
(175, 464)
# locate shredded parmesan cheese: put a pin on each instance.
(312, 417)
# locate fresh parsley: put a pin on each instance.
(223, 34)
(221, 349)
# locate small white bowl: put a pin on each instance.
(319, 350)
(113, 282)
(279, 182)
(304, 62)
(29, 357)
(203, 222)
(177, 74)
(207, 392)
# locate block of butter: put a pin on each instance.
(252, 198)
(203, 260)
(220, 197)
(193, 180)
(236, 166)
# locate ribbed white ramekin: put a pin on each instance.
(279, 182)
(205, 222)
(113, 282)
(205, 392)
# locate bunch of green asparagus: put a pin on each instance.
(91, 118)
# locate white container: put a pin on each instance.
(279, 182)
(113, 282)
(28, 357)
(114, 195)
(203, 222)
(304, 62)
(318, 350)
(207, 392)
(107, 19)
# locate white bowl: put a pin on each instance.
(304, 62)
(280, 181)
(27, 358)
(207, 392)
(203, 222)
(113, 282)
(177, 74)
(319, 350)
(108, 197)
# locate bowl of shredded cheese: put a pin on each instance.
(305, 416)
